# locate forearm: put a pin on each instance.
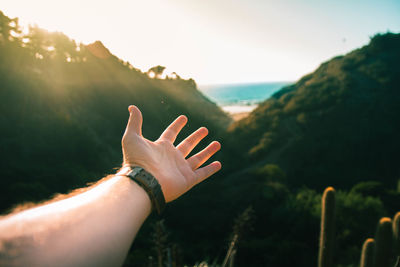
(95, 228)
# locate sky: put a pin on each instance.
(217, 41)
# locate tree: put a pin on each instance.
(9, 28)
(156, 71)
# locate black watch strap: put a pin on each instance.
(149, 184)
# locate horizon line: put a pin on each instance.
(243, 83)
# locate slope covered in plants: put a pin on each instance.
(64, 109)
(337, 125)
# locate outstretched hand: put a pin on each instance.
(166, 162)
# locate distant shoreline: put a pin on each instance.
(238, 112)
(238, 100)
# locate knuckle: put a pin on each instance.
(184, 147)
(124, 140)
(190, 141)
(127, 139)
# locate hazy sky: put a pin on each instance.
(218, 41)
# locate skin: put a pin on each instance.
(97, 227)
(163, 160)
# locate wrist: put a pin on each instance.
(131, 193)
(148, 183)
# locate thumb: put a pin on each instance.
(135, 120)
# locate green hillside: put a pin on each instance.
(335, 126)
(64, 109)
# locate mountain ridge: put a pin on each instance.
(359, 89)
(64, 110)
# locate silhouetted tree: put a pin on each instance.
(9, 28)
(157, 71)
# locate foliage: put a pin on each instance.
(334, 126)
(157, 71)
(64, 109)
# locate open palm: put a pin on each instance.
(166, 162)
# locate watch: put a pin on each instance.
(148, 183)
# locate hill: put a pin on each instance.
(336, 126)
(64, 109)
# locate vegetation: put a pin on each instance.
(367, 253)
(396, 237)
(376, 252)
(327, 235)
(334, 126)
(383, 243)
(64, 109)
(156, 71)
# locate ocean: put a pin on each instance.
(239, 98)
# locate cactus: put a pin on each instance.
(396, 237)
(383, 243)
(367, 253)
(327, 228)
(396, 233)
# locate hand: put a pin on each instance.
(166, 162)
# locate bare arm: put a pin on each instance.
(97, 227)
